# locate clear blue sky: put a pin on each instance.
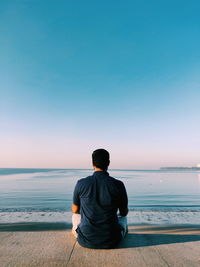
(81, 75)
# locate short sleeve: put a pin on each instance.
(76, 199)
(123, 201)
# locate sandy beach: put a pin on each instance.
(52, 244)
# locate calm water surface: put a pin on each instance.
(51, 190)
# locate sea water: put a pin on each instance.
(155, 196)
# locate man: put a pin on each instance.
(96, 201)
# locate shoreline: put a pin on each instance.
(134, 217)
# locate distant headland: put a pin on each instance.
(181, 168)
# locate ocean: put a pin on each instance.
(155, 196)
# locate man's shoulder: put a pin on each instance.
(116, 181)
(84, 180)
(88, 179)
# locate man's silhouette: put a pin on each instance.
(96, 201)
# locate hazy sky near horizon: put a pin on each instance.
(81, 75)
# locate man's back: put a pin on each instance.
(99, 197)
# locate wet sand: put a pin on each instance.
(162, 216)
(52, 244)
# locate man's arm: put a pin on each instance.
(123, 212)
(75, 208)
(76, 200)
(123, 202)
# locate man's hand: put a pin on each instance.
(75, 208)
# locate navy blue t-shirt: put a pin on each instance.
(99, 197)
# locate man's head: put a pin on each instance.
(101, 159)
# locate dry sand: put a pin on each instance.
(30, 244)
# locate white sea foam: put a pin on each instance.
(134, 217)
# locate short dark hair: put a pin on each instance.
(101, 158)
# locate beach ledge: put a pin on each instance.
(30, 244)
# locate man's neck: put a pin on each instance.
(97, 169)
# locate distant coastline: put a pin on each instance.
(180, 168)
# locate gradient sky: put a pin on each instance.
(81, 75)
